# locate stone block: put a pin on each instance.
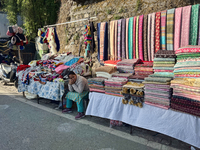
(86, 15)
(109, 16)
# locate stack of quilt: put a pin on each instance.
(105, 71)
(113, 86)
(133, 94)
(158, 92)
(122, 75)
(127, 65)
(96, 84)
(112, 63)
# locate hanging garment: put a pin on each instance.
(51, 39)
(141, 37)
(199, 31)
(127, 23)
(87, 39)
(119, 41)
(130, 38)
(153, 15)
(194, 24)
(136, 38)
(116, 50)
(185, 30)
(163, 30)
(92, 28)
(102, 31)
(98, 39)
(105, 50)
(145, 38)
(177, 28)
(157, 42)
(57, 40)
(123, 38)
(149, 37)
(170, 29)
(112, 40)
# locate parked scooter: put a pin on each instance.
(8, 72)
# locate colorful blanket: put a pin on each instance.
(177, 28)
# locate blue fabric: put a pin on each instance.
(72, 61)
(98, 39)
(79, 105)
(57, 40)
(105, 56)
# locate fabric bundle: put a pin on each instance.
(126, 65)
(133, 94)
(112, 63)
(113, 86)
(122, 75)
(105, 71)
(96, 85)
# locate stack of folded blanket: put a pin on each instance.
(143, 70)
(158, 92)
(122, 75)
(127, 65)
(96, 84)
(105, 71)
(113, 86)
(133, 94)
(112, 63)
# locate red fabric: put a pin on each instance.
(157, 42)
(114, 62)
(189, 49)
(145, 64)
(22, 67)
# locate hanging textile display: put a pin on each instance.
(194, 24)
(123, 38)
(149, 37)
(98, 39)
(116, 50)
(185, 30)
(136, 38)
(104, 41)
(163, 30)
(127, 23)
(112, 40)
(170, 29)
(92, 28)
(141, 37)
(119, 41)
(88, 39)
(157, 44)
(153, 15)
(177, 28)
(199, 31)
(130, 38)
(105, 57)
(145, 38)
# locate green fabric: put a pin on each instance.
(79, 105)
(163, 74)
(136, 39)
(164, 68)
(162, 80)
(194, 24)
(187, 70)
(164, 59)
(77, 97)
(189, 55)
(163, 62)
(130, 38)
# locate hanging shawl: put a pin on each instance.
(149, 37)
(127, 23)
(170, 29)
(98, 39)
(163, 30)
(103, 41)
(112, 40)
(51, 39)
(57, 40)
(130, 38)
(116, 39)
(153, 35)
(194, 25)
(105, 57)
(123, 38)
(145, 38)
(119, 41)
(185, 26)
(141, 37)
(177, 29)
(157, 42)
(134, 37)
(92, 35)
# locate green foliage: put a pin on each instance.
(138, 5)
(76, 36)
(109, 11)
(117, 17)
(121, 10)
(35, 14)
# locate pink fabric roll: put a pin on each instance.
(153, 35)
(149, 37)
(116, 46)
(134, 42)
(177, 29)
(127, 22)
(185, 30)
(141, 37)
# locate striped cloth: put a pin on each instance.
(157, 42)
(123, 38)
(141, 37)
(177, 29)
(130, 38)
(116, 48)
(194, 24)
(102, 32)
(112, 40)
(163, 30)
(136, 38)
(127, 23)
(119, 39)
(153, 15)
(185, 30)
(149, 37)
(145, 38)
(170, 29)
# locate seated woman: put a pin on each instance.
(78, 87)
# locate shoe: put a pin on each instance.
(80, 115)
(67, 110)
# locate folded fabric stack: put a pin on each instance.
(96, 84)
(188, 62)
(186, 95)
(113, 86)
(143, 70)
(158, 92)
(127, 65)
(133, 94)
(112, 63)
(105, 71)
(122, 75)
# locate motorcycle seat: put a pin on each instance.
(6, 68)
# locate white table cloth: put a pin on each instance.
(178, 125)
